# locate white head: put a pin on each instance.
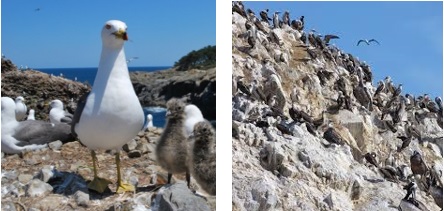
(114, 34)
(19, 99)
(56, 104)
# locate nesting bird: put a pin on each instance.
(203, 157)
(31, 115)
(57, 114)
(172, 147)
(20, 108)
(29, 134)
(417, 164)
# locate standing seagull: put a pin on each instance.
(367, 41)
(111, 114)
(172, 147)
(20, 108)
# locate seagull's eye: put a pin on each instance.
(107, 26)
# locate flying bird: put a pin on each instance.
(367, 41)
(131, 59)
(328, 37)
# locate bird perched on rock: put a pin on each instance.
(20, 108)
(332, 136)
(203, 156)
(29, 134)
(111, 114)
(148, 122)
(411, 190)
(193, 115)
(417, 164)
(371, 158)
(172, 147)
(264, 16)
(57, 114)
(31, 115)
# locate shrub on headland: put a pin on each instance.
(203, 58)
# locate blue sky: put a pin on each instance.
(67, 33)
(410, 34)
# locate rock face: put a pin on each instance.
(56, 178)
(281, 160)
(38, 89)
(197, 87)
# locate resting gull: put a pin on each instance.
(57, 114)
(148, 122)
(31, 115)
(193, 115)
(29, 134)
(111, 114)
(20, 108)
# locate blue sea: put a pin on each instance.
(88, 74)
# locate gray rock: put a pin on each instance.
(178, 197)
(55, 145)
(38, 188)
(81, 198)
(24, 178)
(131, 145)
(46, 173)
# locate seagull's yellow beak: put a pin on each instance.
(121, 34)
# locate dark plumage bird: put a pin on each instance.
(264, 16)
(203, 166)
(304, 38)
(243, 88)
(438, 102)
(367, 41)
(381, 86)
(405, 142)
(286, 18)
(328, 37)
(411, 190)
(172, 146)
(371, 158)
(332, 136)
(238, 7)
(417, 164)
(398, 90)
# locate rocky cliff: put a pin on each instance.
(195, 86)
(312, 132)
(38, 89)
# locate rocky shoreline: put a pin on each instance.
(55, 178)
(195, 86)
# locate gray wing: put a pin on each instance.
(40, 132)
(76, 118)
(68, 118)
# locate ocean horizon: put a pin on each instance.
(88, 75)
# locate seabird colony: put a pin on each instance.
(400, 114)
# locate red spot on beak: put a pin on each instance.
(125, 36)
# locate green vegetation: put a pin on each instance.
(203, 58)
